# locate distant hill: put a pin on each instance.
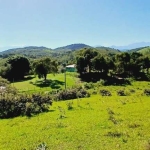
(31, 51)
(136, 49)
(35, 52)
(143, 50)
(132, 46)
(107, 50)
(72, 47)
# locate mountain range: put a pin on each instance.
(34, 51)
(132, 46)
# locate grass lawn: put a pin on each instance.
(57, 82)
(100, 123)
(95, 123)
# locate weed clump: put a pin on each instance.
(147, 92)
(105, 92)
(70, 105)
(114, 134)
(121, 93)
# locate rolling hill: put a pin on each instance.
(72, 47)
(35, 52)
(31, 51)
(143, 50)
(107, 50)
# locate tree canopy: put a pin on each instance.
(43, 66)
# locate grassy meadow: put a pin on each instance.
(33, 84)
(95, 123)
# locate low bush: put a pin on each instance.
(89, 85)
(6, 88)
(121, 93)
(13, 106)
(105, 92)
(72, 93)
(147, 92)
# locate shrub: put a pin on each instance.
(121, 93)
(102, 82)
(12, 106)
(132, 90)
(6, 88)
(4, 82)
(72, 93)
(147, 92)
(89, 85)
(105, 93)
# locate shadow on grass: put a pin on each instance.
(24, 79)
(54, 84)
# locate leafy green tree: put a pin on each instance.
(122, 63)
(84, 60)
(99, 64)
(88, 55)
(81, 66)
(16, 67)
(44, 66)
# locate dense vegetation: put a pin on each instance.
(109, 111)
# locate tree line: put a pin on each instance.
(17, 67)
(88, 61)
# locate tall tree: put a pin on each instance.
(17, 67)
(84, 60)
(44, 66)
(99, 63)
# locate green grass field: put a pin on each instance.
(95, 123)
(28, 86)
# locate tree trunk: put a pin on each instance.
(45, 76)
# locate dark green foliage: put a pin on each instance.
(16, 67)
(89, 85)
(6, 87)
(114, 134)
(72, 93)
(105, 92)
(121, 93)
(4, 82)
(69, 105)
(44, 66)
(147, 92)
(13, 106)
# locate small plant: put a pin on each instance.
(105, 93)
(42, 146)
(121, 93)
(102, 82)
(89, 85)
(62, 113)
(147, 92)
(134, 125)
(132, 90)
(110, 111)
(114, 134)
(70, 105)
(113, 119)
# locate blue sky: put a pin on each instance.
(54, 23)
